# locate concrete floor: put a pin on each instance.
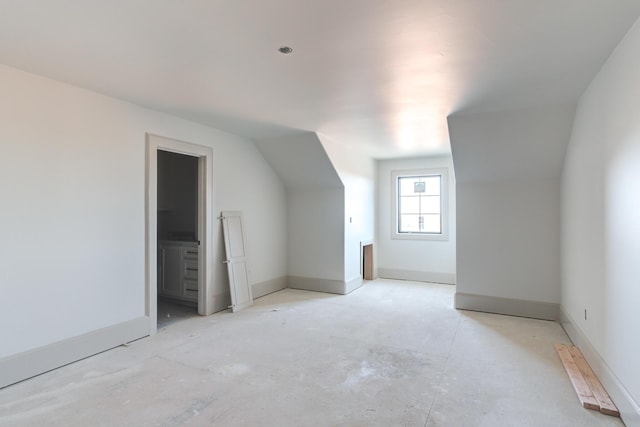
(170, 312)
(392, 353)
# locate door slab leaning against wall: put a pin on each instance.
(235, 247)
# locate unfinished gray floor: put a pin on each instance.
(170, 312)
(392, 353)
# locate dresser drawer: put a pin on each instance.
(191, 269)
(190, 253)
(190, 289)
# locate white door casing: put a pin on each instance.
(235, 247)
(205, 222)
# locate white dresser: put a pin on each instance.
(178, 270)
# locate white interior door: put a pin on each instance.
(234, 244)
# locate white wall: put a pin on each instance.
(315, 211)
(72, 185)
(357, 171)
(300, 160)
(418, 259)
(331, 207)
(509, 240)
(316, 233)
(522, 145)
(508, 167)
(601, 217)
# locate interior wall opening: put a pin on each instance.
(367, 262)
(177, 237)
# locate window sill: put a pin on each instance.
(416, 236)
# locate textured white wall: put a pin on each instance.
(601, 214)
(72, 185)
(414, 255)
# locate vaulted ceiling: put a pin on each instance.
(378, 75)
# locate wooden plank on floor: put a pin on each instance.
(601, 395)
(581, 387)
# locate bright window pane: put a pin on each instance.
(409, 223)
(419, 185)
(419, 198)
(419, 204)
(407, 185)
(431, 224)
(430, 204)
(410, 205)
(432, 185)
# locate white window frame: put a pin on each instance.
(444, 200)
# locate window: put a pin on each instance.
(419, 204)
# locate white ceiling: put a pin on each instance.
(376, 74)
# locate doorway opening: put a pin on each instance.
(367, 261)
(177, 234)
(179, 230)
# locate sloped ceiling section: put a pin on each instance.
(510, 145)
(300, 161)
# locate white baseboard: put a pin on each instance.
(352, 285)
(417, 276)
(318, 285)
(628, 407)
(508, 306)
(269, 286)
(37, 361)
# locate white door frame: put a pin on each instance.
(205, 225)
